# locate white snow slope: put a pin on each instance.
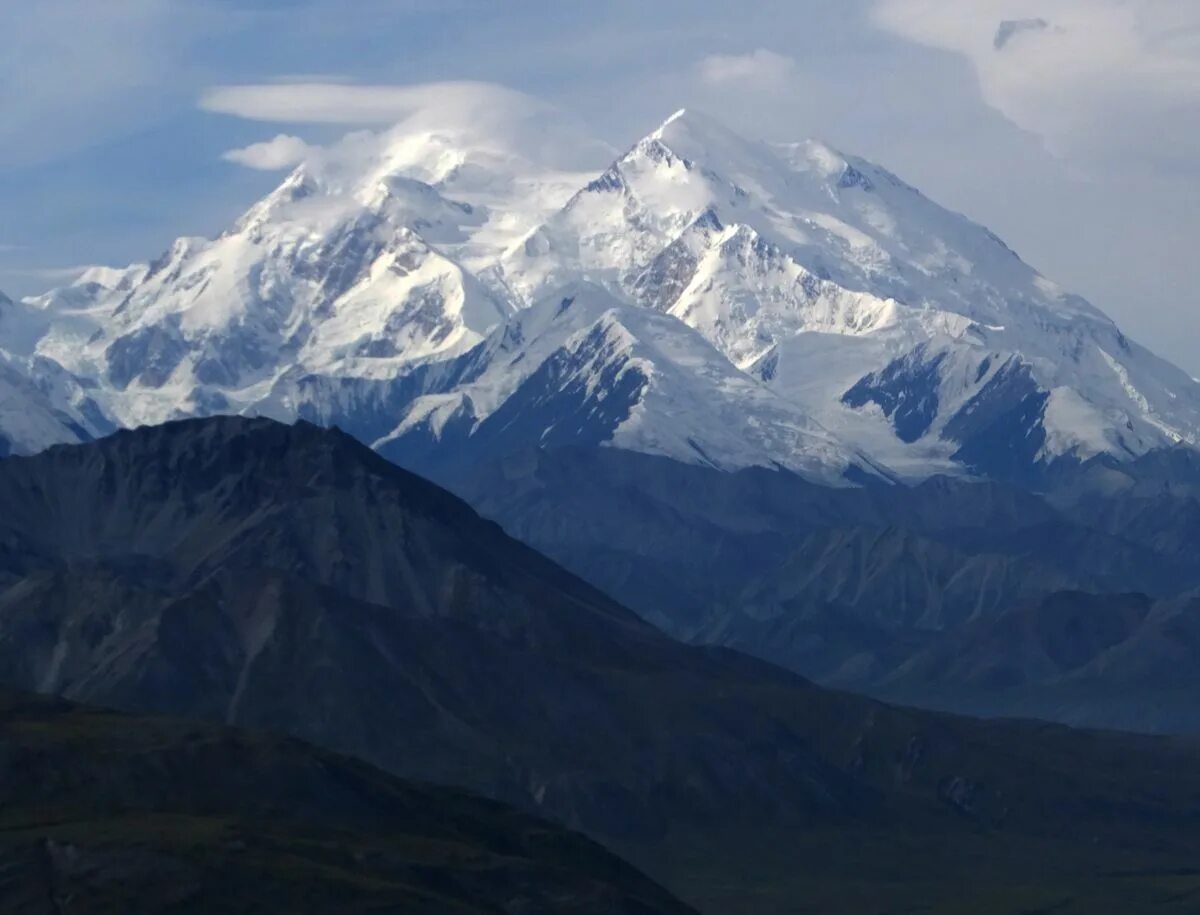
(41, 404)
(705, 297)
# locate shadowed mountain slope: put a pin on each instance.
(290, 578)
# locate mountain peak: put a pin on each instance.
(695, 130)
(693, 119)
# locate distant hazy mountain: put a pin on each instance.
(1117, 661)
(883, 588)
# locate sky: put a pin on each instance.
(1069, 127)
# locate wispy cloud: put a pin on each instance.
(762, 68)
(360, 105)
(284, 151)
(488, 112)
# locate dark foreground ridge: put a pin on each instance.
(102, 812)
(288, 578)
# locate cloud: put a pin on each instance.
(1097, 80)
(760, 67)
(364, 106)
(282, 152)
(473, 111)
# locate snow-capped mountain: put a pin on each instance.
(914, 334)
(585, 368)
(353, 272)
(706, 297)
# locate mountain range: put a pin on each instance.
(487, 507)
(718, 301)
(289, 579)
(853, 586)
(768, 396)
